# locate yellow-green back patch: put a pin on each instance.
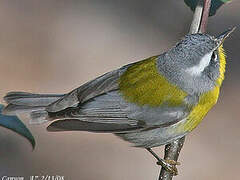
(142, 84)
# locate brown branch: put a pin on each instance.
(204, 20)
(199, 24)
(172, 152)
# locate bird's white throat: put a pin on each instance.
(199, 68)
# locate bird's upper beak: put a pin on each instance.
(220, 39)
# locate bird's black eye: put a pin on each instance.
(214, 56)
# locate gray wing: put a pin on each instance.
(111, 113)
(103, 113)
(103, 84)
(97, 106)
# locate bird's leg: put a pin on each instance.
(169, 165)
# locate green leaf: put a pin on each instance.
(225, 1)
(215, 5)
(14, 124)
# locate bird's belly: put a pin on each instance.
(164, 135)
(206, 102)
(155, 137)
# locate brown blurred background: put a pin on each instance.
(55, 46)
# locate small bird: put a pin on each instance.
(149, 103)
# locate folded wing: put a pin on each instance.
(102, 105)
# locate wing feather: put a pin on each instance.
(103, 84)
(100, 105)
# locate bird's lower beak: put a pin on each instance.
(220, 39)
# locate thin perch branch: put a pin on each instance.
(197, 18)
(199, 24)
(172, 152)
(204, 20)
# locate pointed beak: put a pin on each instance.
(220, 39)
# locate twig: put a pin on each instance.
(172, 152)
(204, 20)
(197, 18)
(199, 24)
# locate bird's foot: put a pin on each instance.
(169, 165)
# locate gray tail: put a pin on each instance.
(34, 104)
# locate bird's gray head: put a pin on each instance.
(193, 63)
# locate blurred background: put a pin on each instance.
(55, 46)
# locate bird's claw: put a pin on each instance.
(172, 162)
(169, 165)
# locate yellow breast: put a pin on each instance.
(207, 100)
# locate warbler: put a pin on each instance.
(148, 103)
